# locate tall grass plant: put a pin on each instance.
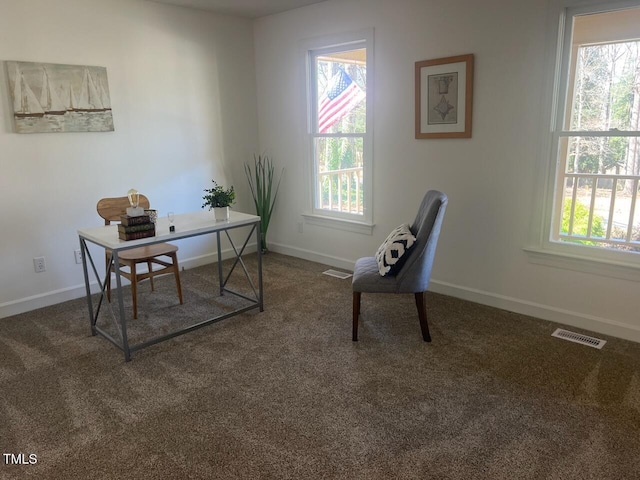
(261, 182)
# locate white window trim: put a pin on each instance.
(541, 250)
(339, 220)
(339, 223)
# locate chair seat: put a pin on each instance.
(367, 278)
(145, 253)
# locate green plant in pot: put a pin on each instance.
(219, 199)
(261, 182)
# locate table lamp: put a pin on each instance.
(134, 199)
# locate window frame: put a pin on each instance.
(542, 249)
(318, 216)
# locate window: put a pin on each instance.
(340, 116)
(596, 138)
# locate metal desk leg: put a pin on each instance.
(259, 248)
(220, 263)
(123, 318)
(85, 270)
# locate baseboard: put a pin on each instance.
(332, 261)
(46, 299)
(42, 300)
(545, 312)
(566, 317)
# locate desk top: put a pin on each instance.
(187, 225)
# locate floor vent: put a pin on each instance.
(337, 274)
(579, 338)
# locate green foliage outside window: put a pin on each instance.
(581, 222)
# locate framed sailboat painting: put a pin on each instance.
(51, 97)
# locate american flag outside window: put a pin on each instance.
(342, 96)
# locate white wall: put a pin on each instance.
(490, 178)
(182, 85)
(185, 102)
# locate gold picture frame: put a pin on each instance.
(444, 97)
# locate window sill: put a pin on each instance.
(339, 223)
(583, 263)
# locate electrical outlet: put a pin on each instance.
(39, 265)
(78, 255)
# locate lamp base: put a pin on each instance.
(135, 211)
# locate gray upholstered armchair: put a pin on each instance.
(415, 274)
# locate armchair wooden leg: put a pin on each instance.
(422, 315)
(356, 314)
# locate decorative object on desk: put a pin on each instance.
(135, 210)
(136, 227)
(140, 219)
(444, 97)
(153, 214)
(138, 222)
(73, 98)
(136, 234)
(170, 217)
(261, 185)
(221, 214)
(219, 199)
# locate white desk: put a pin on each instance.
(186, 225)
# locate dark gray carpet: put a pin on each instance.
(285, 394)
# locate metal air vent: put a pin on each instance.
(579, 338)
(337, 274)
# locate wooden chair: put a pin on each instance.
(110, 209)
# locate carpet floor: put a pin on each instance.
(286, 394)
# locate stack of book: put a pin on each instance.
(133, 228)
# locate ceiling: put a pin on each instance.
(242, 8)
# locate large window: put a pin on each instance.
(596, 134)
(340, 129)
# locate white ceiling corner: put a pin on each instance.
(242, 8)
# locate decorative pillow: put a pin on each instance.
(393, 252)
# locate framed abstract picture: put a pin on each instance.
(50, 97)
(444, 97)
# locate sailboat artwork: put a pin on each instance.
(49, 100)
(89, 100)
(50, 97)
(25, 103)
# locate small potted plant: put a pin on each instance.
(219, 199)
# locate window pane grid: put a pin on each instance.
(598, 200)
(339, 129)
(605, 87)
(340, 174)
(596, 132)
(341, 92)
(600, 210)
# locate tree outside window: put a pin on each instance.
(598, 166)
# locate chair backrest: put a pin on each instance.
(112, 208)
(416, 272)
